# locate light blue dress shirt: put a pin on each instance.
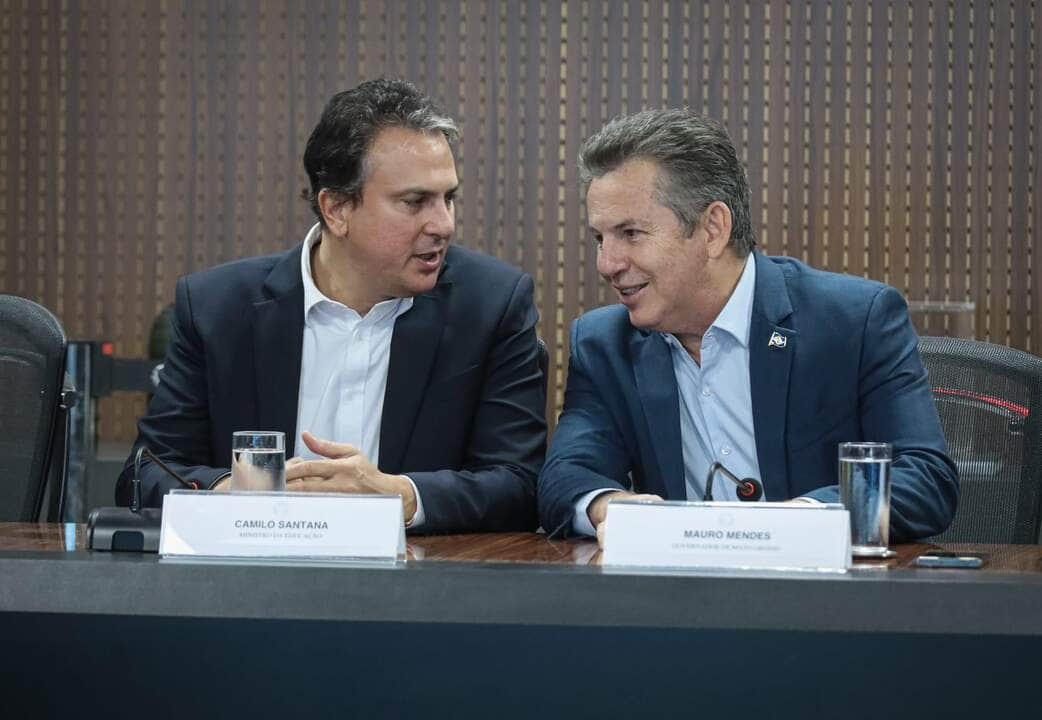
(716, 408)
(716, 405)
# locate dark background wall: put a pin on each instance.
(140, 140)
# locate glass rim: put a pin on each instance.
(866, 444)
(260, 433)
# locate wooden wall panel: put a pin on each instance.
(143, 140)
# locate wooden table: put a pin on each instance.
(511, 625)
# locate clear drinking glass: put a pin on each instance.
(864, 489)
(258, 460)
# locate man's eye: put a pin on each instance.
(449, 199)
(630, 233)
(413, 202)
(598, 240)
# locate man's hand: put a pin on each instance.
(345, 470)
(598, 509)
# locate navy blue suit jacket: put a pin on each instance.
(463, 411)
(850, 370)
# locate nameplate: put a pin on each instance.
(282, 525)
(780, 536)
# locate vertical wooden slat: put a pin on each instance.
(757, 133)
(550, 199)
(654, 76)
(1001, 197)
(814, 149)
(1020, 144)
(856, 146)
(58, 270)
(958, 152)
(900, 145)
(472, 146)
(918, 182)
(1034, 343)
(571, 276)
(783, 180)
(513, 181)
(596, 116)
(878, 114)
(676, 56)
(940, 186)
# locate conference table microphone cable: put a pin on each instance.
(135, 497)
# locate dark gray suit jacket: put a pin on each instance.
(463, 410)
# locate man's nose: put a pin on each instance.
(442, 221)
(610, 259)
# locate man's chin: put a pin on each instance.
(642, 321)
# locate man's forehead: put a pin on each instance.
(411, 159)
(408, 144)
(615, 200)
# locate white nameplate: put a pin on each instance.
(789, 536)
(282, 525)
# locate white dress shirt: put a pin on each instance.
(343, 368)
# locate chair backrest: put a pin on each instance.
(989, 398)
(32, 366)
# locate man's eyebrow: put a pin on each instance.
(427, 191)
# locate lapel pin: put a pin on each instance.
(777, 340)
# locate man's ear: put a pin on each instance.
(336, 211)
(716, 221)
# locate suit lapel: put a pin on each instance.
(657, 389)
(771, 349)
(414, 346)
(278, 333)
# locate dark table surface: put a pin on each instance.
(509, 626)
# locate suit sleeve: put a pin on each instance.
(494, 490)
(177, 425)
(587, 452)
(896, 406)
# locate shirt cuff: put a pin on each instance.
(418, 517)
(218, 479)
(581, 522)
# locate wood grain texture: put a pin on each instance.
(143, 140)
(535, 548)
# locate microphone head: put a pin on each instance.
(749, 490)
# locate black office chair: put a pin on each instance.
(32, 419)
(989, 398)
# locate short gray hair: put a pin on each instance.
(698, 164)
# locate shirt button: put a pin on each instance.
(726, 449)
(705, 392)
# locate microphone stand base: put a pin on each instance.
(119, 529)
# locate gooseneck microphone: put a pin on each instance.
(134, 528)
(749, 489)
(135, 482)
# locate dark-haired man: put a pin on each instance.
(719, 354)
(393, 361)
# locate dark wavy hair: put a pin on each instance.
(336, 154)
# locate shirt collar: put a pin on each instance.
(313, 296)
(736, 317)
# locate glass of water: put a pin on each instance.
(864, 489)
(258, 460)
